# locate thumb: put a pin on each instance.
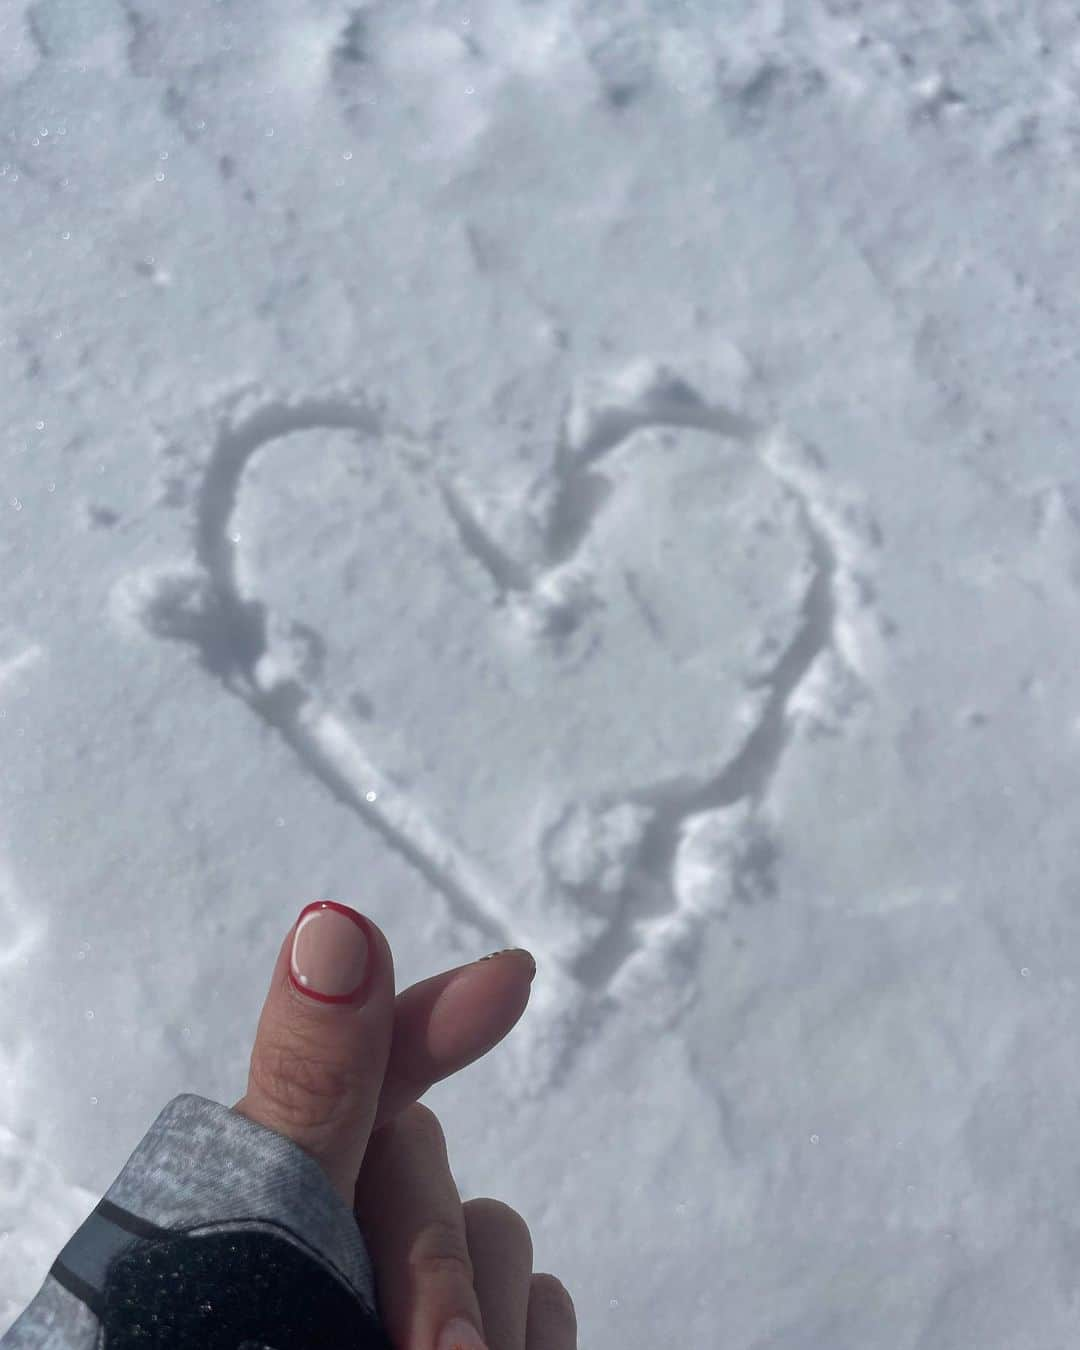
(323, 1039)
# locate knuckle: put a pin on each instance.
(305, 1091)
(501, 1220)
(440, 1249)
(551, 1298)
(422, 1121)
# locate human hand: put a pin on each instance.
(327, 1072)
(428, 1250)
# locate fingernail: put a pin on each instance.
(505, 950)
(329, 954)
(459, 1334)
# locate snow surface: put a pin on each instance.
(596, 475)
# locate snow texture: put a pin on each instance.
(595, 475)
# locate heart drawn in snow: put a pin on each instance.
(533, 696)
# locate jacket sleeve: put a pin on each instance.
(218, 1234)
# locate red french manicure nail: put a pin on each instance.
(329, 960)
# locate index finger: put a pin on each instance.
(446, 1022)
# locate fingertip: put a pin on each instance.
(520, 952)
